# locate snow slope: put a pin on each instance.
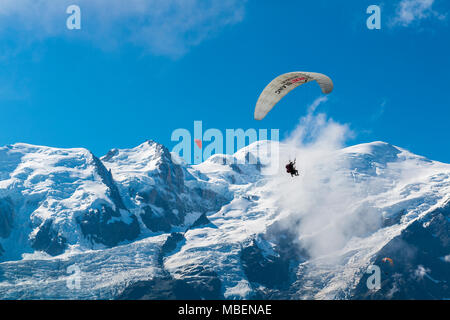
(234, 227)
(373, 192)
(46, 193)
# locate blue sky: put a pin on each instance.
(138, 69)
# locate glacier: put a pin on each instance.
(141, 224)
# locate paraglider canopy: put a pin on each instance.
(391, 262)
(282, 85)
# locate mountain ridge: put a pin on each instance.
(236, 229)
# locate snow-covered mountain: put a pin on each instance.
(138, 223)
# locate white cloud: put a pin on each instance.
(410, 11)
(161, 27)
(318, 130)
(326, 211)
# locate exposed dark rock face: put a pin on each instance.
(105, 225)
(205, 282)
(171, 174)
(160, 289)
(201, 222)
(171, 243)
(235, 168)
(108, 180)
(6, 217)
(48, 240)
(161, 221)
(394, 219)
(419, 269)
(211, 200)
(98, 225)
(439, 225)
(169, 246)
(270, 271)
(111, 153)
(195, 284)
(276, 272)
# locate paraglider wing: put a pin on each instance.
(282, 85)
(391, 262)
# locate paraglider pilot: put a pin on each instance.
(290, 168)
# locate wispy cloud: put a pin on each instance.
(321, 213)
(318, 129)
(411, 11)
(380, 111)
(160, 27)
(316, 103)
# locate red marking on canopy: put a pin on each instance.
(298, 79)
